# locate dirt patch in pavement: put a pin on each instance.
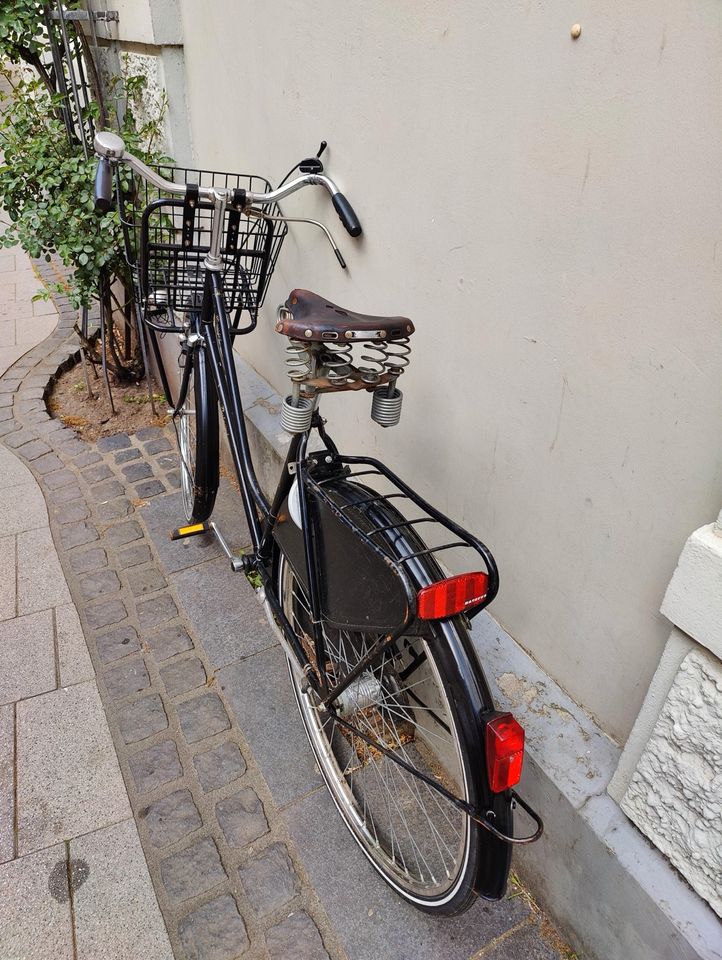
(92, 417)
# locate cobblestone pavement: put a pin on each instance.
(244, 847)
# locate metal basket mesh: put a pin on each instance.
(169, 273)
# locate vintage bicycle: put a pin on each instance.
(346, 557)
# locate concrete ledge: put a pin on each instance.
(693, 600)
(613, 894)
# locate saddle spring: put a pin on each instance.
(337, 358)
(299, 361)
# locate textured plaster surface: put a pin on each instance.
(675, 796)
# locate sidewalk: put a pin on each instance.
(170, 768)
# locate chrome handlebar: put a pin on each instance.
(109, 146)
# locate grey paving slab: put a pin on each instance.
(7, 782)
(74, 661)
(369, 918)
(22, 508)
(35, 922)
(527, 942)
(259, 693)
(116, 912)
(27, 648)
(41, 581)
(12, 470)
(69, 781)
(7, 577)
(222, 607)
(164, 514)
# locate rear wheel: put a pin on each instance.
(412, 701)
(197, 434)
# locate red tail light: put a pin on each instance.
(447, 597)
(504, 752)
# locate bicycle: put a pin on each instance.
(419, 762)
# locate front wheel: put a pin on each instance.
(197, 434)
(413, 702)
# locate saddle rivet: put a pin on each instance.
(308, 333)
(349, 334)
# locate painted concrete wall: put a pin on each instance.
(548, 211)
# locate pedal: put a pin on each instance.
(182, 533)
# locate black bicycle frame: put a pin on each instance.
(263, 516)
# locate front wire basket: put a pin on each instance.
(168, 272)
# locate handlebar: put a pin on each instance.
(110, 148)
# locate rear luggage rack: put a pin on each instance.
(376, 536)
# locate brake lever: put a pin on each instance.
(255, 212)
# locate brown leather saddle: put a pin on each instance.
(307, 316)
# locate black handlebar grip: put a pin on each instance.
(103, 186)
(346, 214)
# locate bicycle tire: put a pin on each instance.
(197, 435)
(481, 862)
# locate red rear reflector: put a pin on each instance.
(447, 597)
(504, 752)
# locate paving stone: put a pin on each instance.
(84, 560)
(123, 533)
(7, 428)
(269, 879)
(202, 717)
(170, 818)
(71, 512)
(99, 583)
(101, 471)
(41, 582)
(241, 818)
(161, 445)
(21, 437)
(153, 767)
(103, 614)
(192, 871)
(174, 478)
(149, 433)
(219, 766)
(7, 783)
(142, 718)
(69, 781)
(47, 463)
(231, 628)
(127, 679)
(34, 924)
(34, 450)
(75, 534)
(126, 456)
(22, 507)
(28, 649)
(113, 509)
(214, 932)
(133, 556)
(183, 676)
(149, 488)
(64, 494)
(262, 701)
(70, 447)
(117, 643)
(106, 490)
(61, 478)
(74, 663)
(527, 942)
(117, 442)
(143, 580)
(167, 643)
(115, 910)
(168, 462)
(151, 613)
(316, 828)
(85, 459)
(296, 938)
(137, 471)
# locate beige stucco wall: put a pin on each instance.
(548, 212)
